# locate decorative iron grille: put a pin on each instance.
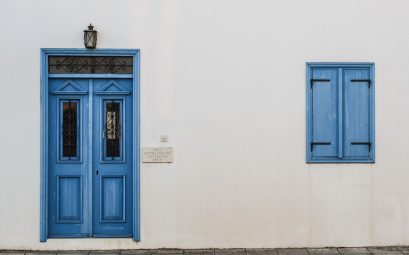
(90, 64)
(113, 129)
(69, 129)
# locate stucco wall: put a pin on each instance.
(225, 80)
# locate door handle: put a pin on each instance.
(97, 172)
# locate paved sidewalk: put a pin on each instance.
(390, 250)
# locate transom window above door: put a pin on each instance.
(90, 64)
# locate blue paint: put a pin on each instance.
(136, 145)
(69, 191)
(67, 178)
(71, 200)
(113, 88)
(340, 113)
(112, 188)
(69, 88)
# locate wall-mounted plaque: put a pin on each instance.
(157, 155)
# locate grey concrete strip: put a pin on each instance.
(136, 252)
(404, 249)
(323, 251)
(229, 252)
(358, 253)
(42, 253)
(261, 251)
(352, 250)
(11, 253)
(199, 252)
(167, 251)
(72, 252)
(113, 252)
(292, 251)
(385, 250)
(388, 253)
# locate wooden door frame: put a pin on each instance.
(44, 116)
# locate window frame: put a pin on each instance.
(340, 65)
(60, 139)
(121, 158)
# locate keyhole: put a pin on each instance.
(97, 172)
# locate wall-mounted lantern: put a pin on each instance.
(90, 37)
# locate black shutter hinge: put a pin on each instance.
(318, 143)
(363, 80)
(363, 143)
(318, 80)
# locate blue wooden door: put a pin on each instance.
(67, 158)
(90, 157)
(112, 157)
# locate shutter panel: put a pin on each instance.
(357, 85)
(324, 86)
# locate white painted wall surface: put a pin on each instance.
(225, 79)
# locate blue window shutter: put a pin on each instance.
(324, 107)
(357, 113)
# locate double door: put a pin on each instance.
(90, 157)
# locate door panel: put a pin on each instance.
(67, 159)
(112, 158)
(69, 199)
(112, 198)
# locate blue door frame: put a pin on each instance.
(44, 165)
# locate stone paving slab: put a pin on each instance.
(292, 251)
(354, 251)
(135, 252)
(230, 252)
(113, 252)
(199, 252)
(323, 251)
(42, 253)
(404, 249)
(261, 251)
(72, 253)
(167, 251)
(385, 250)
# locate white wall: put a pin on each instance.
(225, 79)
